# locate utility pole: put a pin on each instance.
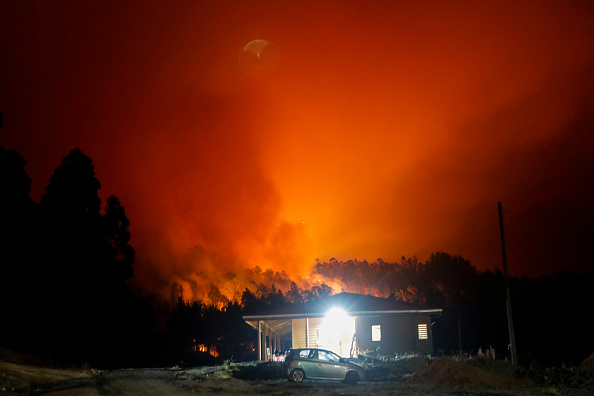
(510, 321)
(459, 337)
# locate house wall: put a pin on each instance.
(298, 333)
(399, 334)
(311, 326)
(314, 325)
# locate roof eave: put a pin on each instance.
(354, 313)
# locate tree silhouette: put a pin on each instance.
(317, 292)
(116, 226)
(85, 262)
(16, 246)
(73, 189)
(250, 302)
(72, 228)
(216, 297)
(294, 294)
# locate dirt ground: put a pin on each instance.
(442, 376)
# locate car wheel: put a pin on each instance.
(351, 377)
(297, 375)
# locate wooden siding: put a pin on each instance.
(314, 326)
(298, 335)
(399, 334)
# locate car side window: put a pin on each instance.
(304, 353)
(328, 357)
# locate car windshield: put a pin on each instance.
(328, 356)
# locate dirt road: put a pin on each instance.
(23, 379)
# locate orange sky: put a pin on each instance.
(388, 128)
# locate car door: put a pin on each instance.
(329, 366)
(307, 361)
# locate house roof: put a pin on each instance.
(279, 319)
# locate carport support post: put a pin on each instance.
(259, 341)
(266, 341)
(307, 332)
(272, 335)
(272, 341)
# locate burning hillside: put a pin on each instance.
(409, 280)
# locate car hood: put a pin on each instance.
(351, 364)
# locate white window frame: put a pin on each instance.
(376, 333)
(423, 331)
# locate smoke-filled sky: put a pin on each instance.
(351, 129)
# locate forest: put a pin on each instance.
(65, 263)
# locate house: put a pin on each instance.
(348, 324)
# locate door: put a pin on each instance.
(329, 365)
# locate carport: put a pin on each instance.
(273, 330)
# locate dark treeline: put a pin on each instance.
(64, 263)
(217, 328)
(548, 312)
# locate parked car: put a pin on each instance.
(321, 364)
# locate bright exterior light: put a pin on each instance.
(336, 315)
(337, 331)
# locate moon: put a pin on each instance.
(259, 58)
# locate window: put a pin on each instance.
(328, 356)
(304, 353)
(376, 333)
(422, 331)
